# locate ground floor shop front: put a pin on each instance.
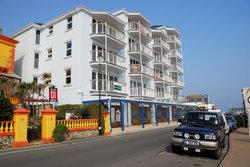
(125, 113)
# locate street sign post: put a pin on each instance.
(246, 102)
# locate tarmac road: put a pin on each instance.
(141, 149)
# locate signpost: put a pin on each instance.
(246, 102)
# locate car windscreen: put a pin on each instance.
(201, 118)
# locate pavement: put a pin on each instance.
(239, 149)
(138, 128)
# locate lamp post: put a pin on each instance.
(99, 93)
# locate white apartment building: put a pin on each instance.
(120, 53)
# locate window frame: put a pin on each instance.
(68, 76)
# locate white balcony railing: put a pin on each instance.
(135, 47)
(178, 83)
(103, 28)
(161, 59)
(175, 39)
(138, 91)
(107, 57)
(180, 69)
(162, 77)
(162, 95)
(159, 41)
(108, 86)
(178, 54)
(136, 69)
(136, 26)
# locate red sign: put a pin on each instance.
(53, 96)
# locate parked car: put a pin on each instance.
(200, 131)
(226, 124)
(231, 122)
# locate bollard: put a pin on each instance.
(106, 118)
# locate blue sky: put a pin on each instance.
(215, 35)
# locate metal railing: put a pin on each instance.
(139, 91)
(159, 41)
(136, 26)
(79, 124)
(103, 28)
(161, 59)
(162, 77)
(136, 47)
(108, 85)
(174, 38)
(136, 69)
(107, 57)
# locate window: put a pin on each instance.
(50, 30)
(35, 80)
(36, 60)
(48, 78)
(68, 76)
(69, 24)
(68, 48)
(49, 53)
(37, 37)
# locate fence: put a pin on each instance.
(79, 124)
(6, 128)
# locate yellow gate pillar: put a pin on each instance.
(106, 118)
(20, 127)
(48, 124)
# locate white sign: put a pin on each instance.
(246, 96)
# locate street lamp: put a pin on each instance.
(99, 92)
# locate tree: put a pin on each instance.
(6, 108)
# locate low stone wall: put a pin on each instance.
(6, 141)
(81, 134)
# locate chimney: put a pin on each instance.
(1, 31)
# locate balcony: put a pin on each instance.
(108, 57)
(141, 92)
(161, 59)
(178, 83)
(180, 69)
(173, 38)
(162, 95)
(163, 77)
(137, 69)
(135, 27)
(178, 54)
(108, 87)
(135, 47)
(158, 42)
(102, 30)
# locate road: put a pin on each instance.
(142, 149)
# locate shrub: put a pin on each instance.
(6, 108)
(59, 132)
(240, 120)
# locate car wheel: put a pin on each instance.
(175, 149)
(217, 153)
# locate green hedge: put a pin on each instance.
(240, 121)
(59, 132)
